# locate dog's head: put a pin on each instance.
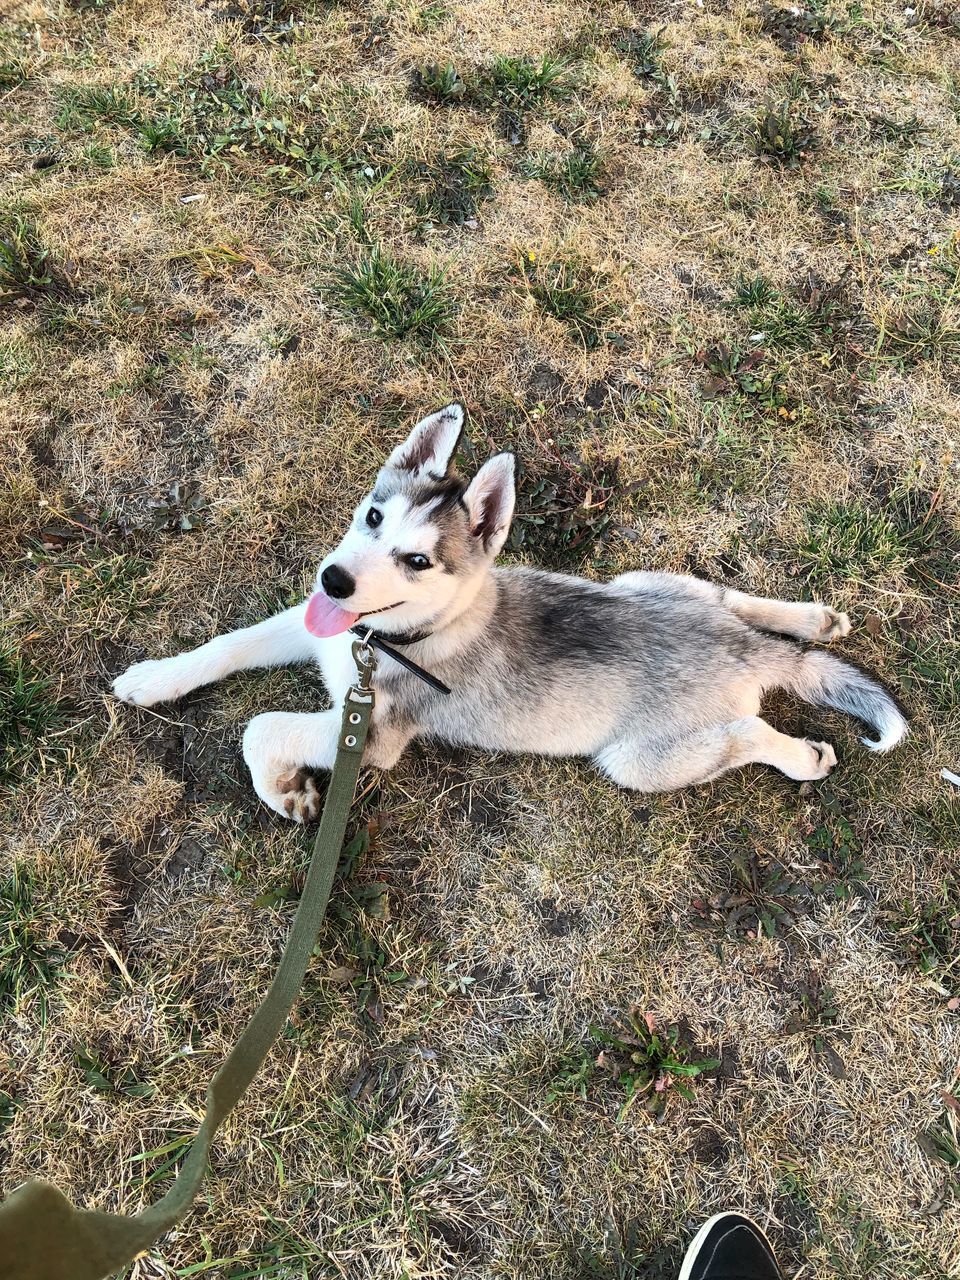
(418, 539)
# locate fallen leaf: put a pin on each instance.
(342, 975)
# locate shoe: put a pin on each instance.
(730, 1247)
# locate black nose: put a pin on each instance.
(336, 582)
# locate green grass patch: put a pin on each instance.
(527, 82)
(575, 176)
(781, 135)
(451, 187)
(816, 315)
(519, 85)
(852, 539)
(649, 1064)
(29, 709)
(902, 529)
(213, 117)
(26, 264)
(29, 964)
(439, 83)
(929, 931)
(83, 107)
(14, 71)
(929, 666)
(402, 301)
(572, 292)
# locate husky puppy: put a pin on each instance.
(656, 676)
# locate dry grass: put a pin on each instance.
(736, 321)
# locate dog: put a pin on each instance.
(657, 677)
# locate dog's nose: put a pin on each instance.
(336, 582)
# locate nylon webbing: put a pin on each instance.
(42, 1235)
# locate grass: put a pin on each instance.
(852, 539)
(816, 314)
(244, 246)
(929, 931)
(402, 302)
(902, 535)
(795, 26)
(650, 1064)
(26, 264)
(781, 135)
(213, 116)
(451, 187)
(568, 512)
(924, 329)
(570, 291)
(527, 82)
(29, 709)
(576, 176)
(29, 965)
(13, 72)
(440, 83)
(643, 49)
(84, 107)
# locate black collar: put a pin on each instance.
(402, 638)
(385, 645)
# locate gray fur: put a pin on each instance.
(658, 677)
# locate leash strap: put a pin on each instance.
(42, 1235)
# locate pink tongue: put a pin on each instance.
(324, 618)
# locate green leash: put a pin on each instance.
(42, 1235)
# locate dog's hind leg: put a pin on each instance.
(816, 622)
(669, 763)
(275, 642)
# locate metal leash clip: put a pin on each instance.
(365, 658)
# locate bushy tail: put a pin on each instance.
(827, 681)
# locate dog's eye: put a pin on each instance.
(417, 562)
(374, 517)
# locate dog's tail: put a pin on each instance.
(826, 681)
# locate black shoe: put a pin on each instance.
(730, 1247)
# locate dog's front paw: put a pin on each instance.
(832, 625)
(287, 788)
(145, 683)
(301, 799)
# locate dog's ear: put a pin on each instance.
(489, 501)
(431, 444)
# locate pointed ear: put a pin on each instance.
(489, 501)
(431, 444)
